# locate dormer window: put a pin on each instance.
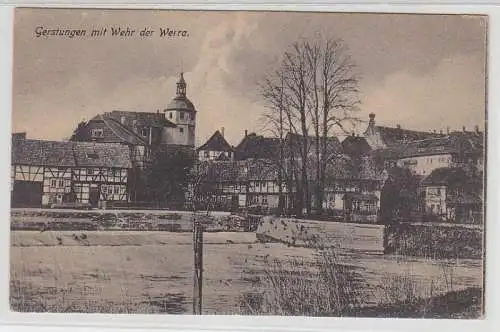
(182, 115)
(170, 115)
(97, 132)
(144, 132)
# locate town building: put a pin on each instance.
(146, 134)
(382, 137)
(242, 184)
(44, 173)
(216, 148)
(142, 131)
(450, 194)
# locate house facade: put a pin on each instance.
(450, 194)
(49, 172)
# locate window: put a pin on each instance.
(117, 190)
(97, 132)
(182, 115)
(90, 171)
(61, 183)
(144, 132)
(181, 130)
(439, 191)
(207, 154)
(53, 183)
(170, 115)
(92, 156)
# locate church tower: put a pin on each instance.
(182, 113)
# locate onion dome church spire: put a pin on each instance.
(181, 112)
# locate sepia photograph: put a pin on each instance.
(263, 163)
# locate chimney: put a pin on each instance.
(463, 129)
(398, 126)
(441, 131)
(447, 130)
(157, 111)
(222, 131)
(434, 131)
(246, 133)
(476, 129)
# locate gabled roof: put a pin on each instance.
(118, 127)
(216, 142)
(355, 146)
(70, 154)
(254, 146)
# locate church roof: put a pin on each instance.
(216, 142)
(142, 119)
(180, 103)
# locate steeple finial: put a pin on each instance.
(181, 85)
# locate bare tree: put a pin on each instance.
(314, 90)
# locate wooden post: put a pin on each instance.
(198, 266)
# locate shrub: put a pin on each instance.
(322, 288)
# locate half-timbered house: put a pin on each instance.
(44, 173)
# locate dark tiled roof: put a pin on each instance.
(445, 176)
(392, 136)
(101, 154)
(226, 171)
(257, 147)
(346, 168)
(70, 154)
(180, 103)
(355, 146)
(42, 153)
(442, 145)
(112, 132)
(295, 141)
(143, 119)
(216, 142)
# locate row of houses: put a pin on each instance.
(447, 166)
(107, 157)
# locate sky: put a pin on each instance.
(423, 72)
